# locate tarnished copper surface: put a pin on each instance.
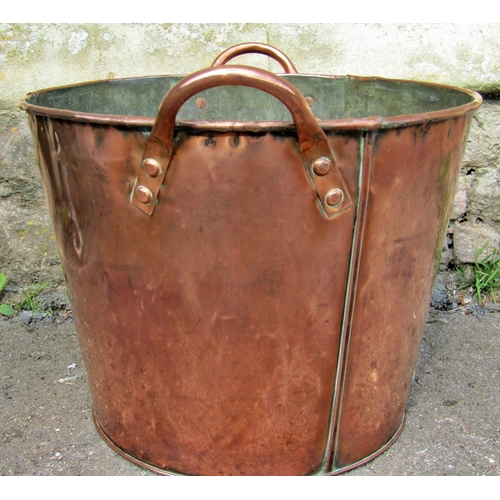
(229, 323)
(409, 193)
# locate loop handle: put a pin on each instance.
(255, 48)
(313, 144)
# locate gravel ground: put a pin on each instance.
(452, 428)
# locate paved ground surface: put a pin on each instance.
(453, 424)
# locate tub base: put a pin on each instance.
(321, 472)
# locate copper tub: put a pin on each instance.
(250, 266)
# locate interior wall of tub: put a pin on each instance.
(333, 98)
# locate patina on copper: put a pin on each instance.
(250, 280)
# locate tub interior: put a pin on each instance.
(334, 98)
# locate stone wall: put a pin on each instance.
(34, 56)
(475, 220)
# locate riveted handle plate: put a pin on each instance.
(312, 140)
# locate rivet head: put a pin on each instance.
(144, 195)
(310, 101)
(201, 103)
(334, 197)
(321, 166)
(151, 167)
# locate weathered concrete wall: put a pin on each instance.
(37, 56)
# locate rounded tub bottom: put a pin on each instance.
(321, 472)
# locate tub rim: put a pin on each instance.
(360, 124)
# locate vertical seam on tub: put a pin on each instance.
(365, 173)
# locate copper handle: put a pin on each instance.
(255, 48)
(312, 140)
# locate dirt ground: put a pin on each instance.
(452, 428)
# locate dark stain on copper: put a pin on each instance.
(98, 140)
(210, 143)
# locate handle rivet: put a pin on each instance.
(334, 197)
(151, 167)
(144, 195)
(310, 101)
(201, 103)
(321, 166)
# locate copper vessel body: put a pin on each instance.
(249, 296)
